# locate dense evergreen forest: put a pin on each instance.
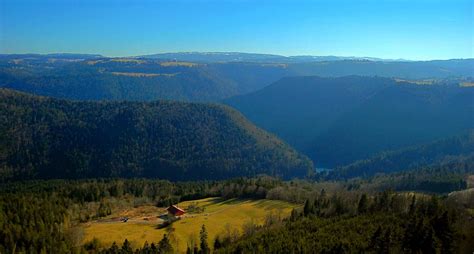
(337, 121)
(442, 177)
(435, 153)
(43, 217)
(50, 138)
(383, 223)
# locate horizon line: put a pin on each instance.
(238, 52)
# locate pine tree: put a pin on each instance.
(428, 244)
(114, 248)
(308, 207)
(374, 240)
(323, 193)
(445, 233)
(203, 236)
(153, 248)
(362, 207)
(386, 241)
(164, 245)
(217, 243)
(412, 206)
(126, 247)
(294, 215)
(146, 247)
(433, 206)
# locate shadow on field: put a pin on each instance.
(232, 201)
(269, 204)
(266, 204)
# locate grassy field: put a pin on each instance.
(217, 216)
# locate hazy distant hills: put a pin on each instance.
(337, 121)
(49, 57)
(438, 69)
(49, 138)
(212, 57)
(116, 79)
(194, 76)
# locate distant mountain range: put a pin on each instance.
(49, 138)
(50, 56)
(92, 77)
(211, 57)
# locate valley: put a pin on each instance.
(257, 156)
(236, 127)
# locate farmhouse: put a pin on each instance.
(175, 211)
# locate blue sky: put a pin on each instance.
(410, 29)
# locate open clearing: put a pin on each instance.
(142, 225)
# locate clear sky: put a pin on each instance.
(410, 29)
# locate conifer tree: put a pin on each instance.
(217, 243)
(126, 247)
(203, 237)
(308, 207)
(164, 245)
(362, 207)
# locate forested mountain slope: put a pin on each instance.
(299, 108)
(337, 121)
(396, 117)
(445, 176)
(116, 79)
(49, 138)
(401, 69)
(434, 153)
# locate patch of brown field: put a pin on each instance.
(140, 74)
(54, 60)
(17, 61)
(416, 82)
(185, 64)
(467, 84)
(275, 65)
(128, 60)
(94, 62)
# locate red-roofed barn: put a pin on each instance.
(175, 211)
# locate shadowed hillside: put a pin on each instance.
(410, 158)
(337, 121)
